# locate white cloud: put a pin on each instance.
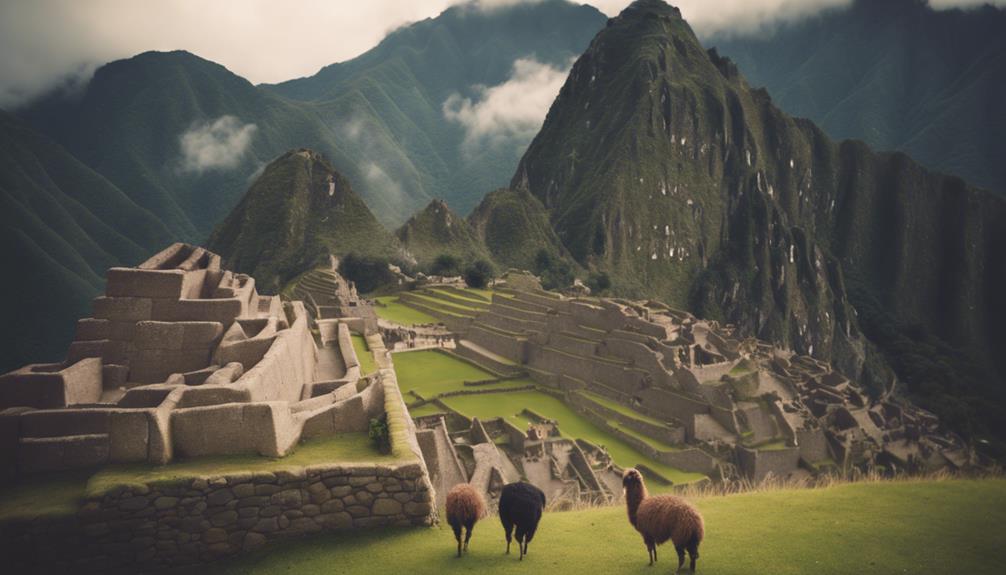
(511, 111)
(218, 144)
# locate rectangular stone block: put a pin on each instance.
(128, 436)
(131, 282)
(114, 376)
(23, 388)
(90, 328)
(80, 350)
(59, 453)
(218, 310)
(155, 365)
(122, 330)
(60, 422)
(122, 308)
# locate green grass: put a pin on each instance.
(885, 527)
(367, 363)
(57, 494)
(467, 294)
(431, 372)
(60, 493)
(619, 408)
(571, 424)
(425, 409)
(341, 448)
(391, 309)
(652, 442)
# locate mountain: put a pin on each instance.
(894, 73)
(131, 121)
(401, 87)
(296, 213)
(437, 230)
(658, 164)
(514, 226)
(183, 136)
(62, 226)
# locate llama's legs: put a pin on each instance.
(681, 555)
(457, 535)
(693, 554)
(508, 528)
(468, 535)
(651, 550)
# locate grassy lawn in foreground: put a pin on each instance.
(571, 424)
(367, 363)
(396, 312)
(431, 372)
(886, 527)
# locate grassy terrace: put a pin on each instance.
(367, 363)
(885, 527)
(619, 408)
(60, 493)
(571, 424)
(430, 373)
(392, 310)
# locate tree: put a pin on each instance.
(479, 274)
(367, 272)
(598, 282)
(446, 265)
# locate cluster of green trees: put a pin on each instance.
(477, 273)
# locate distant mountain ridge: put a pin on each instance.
(897, 74)
(62, 225)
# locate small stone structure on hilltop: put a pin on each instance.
(184, 359)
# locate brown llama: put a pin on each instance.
(464, 508)
(661, 518)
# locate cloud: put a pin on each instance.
(511, 111)
(215, 145)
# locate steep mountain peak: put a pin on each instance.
(437, 230)
(295, 214)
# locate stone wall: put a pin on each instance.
(206, 518)
(756, 465)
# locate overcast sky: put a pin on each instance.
(42, 41)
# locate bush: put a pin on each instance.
(379, 434)
(446, 265)
(479, 274)
(367, 272)
(598, 282)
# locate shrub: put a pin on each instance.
(369, 273)
(379, 434)
(479, 274)
(598, 282)
(446, 265)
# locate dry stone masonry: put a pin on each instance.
(183, 359)
(729, 407)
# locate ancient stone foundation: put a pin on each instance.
(147, 527)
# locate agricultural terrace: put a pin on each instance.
(431, 373)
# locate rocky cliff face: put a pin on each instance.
(659, 164)
(296, 213)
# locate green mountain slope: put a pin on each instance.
(514, 227)
(437, 230)
(296, 213)
(896, 74)
(658, 164)
(62, 226)
(400, 88)
(379, 118)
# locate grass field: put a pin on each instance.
(431, 372)
(951, 526)
(366, 359)
(396, 312)
(571, 424)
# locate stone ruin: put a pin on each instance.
(729, 407)
(182, 358)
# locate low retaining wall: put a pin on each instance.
(148, 527)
